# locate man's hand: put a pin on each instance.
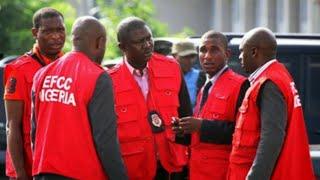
(175, 126)
(187, 125)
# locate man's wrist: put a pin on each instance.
(199, 124)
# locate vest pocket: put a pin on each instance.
(211, 164)
(249, 138)
(168, 98)
(134, 158)
(128, 124)
(132, 148)
(246, 133)
(178, 153)
(219, 107)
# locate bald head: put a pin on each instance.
(89, 37)
(264, 39)
(258, 46)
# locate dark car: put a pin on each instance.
(301, 55)
(3, 144)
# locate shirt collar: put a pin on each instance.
(46, 60)
(133, 70)
(216, 76)
(253, 76)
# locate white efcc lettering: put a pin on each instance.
(56, 89)
(296, 97)
(60, 82)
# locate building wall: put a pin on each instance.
(177, 14)
(294, 16)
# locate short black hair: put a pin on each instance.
(217, 35)
(127, 25)
(44, 13)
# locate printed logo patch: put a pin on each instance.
(11, 88)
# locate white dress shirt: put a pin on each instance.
(141, 78)
(253, 76)
(215, 77)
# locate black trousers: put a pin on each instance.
(48, 176)
(163, 174)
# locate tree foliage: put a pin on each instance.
(16, 22)
(113, 12)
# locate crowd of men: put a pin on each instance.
(149, 117)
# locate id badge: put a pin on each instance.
(155, 122)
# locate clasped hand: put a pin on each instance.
(186, 125)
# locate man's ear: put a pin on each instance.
(101, 42)
(228, 53)
(121, 46)
(35, 32)
(254, 51)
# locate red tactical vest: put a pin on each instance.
(210, 161)
(29, 66)
(294, 161)
(64, 143)
(138, 144)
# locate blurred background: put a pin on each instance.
(178, 18)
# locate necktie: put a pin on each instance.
(205, 93)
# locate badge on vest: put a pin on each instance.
(155, 121)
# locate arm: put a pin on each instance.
(15, 87)
(14, 114)
(220, 132)
(216, 131)
(273, 117)
(104, 129)
(33, 119)
(184, 110)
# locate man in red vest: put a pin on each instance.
(149, 91)
(49, 32)
(270, 139)
(74, 123)
(217, 105)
